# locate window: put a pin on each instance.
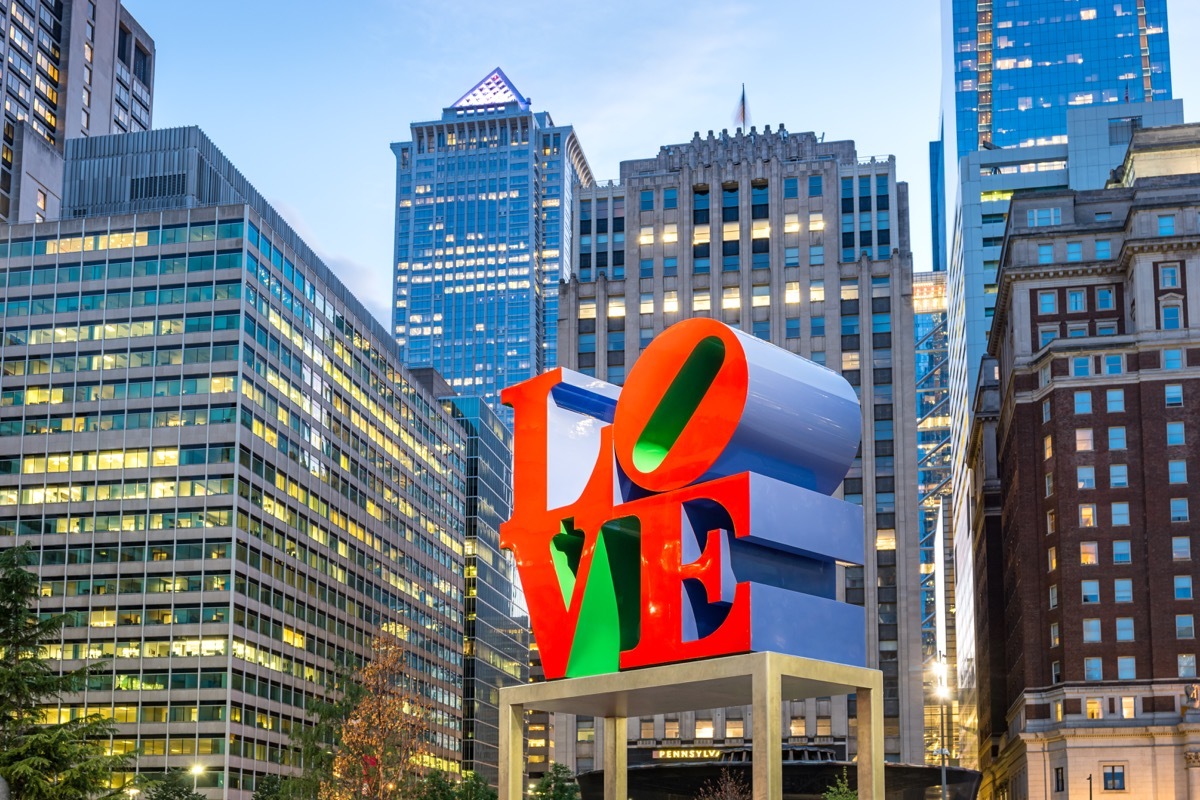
(1187, 666)
(815, 187)
(1077, 331)
(731, 298)
(1116, 400)
(1185, 626)
(1090, 591)
(1106, 329)
(1127, 668)
(1047, 446)
(1049, 484)
(1114, 364)
(670, 266)
(1091, 630)
(1175, 433)
(1121, 552)
(816, 255)
(1083, 403)
(1104, 299)
(1177, 471)
(1181, 548)
(1083, 440)
(1060, 781)
(849, 289)
(670, 198)
(1174, 395)
(1054, 597)
(1081, 366)
(1092, 708)
(1046, 336)
(1045, 254)
(1093, 669)
(646, 268)
(616, 307)
(1045, 411)
(1041, 217)
(1085, 477)
(1074, 251)
(1124, 629)
(701, 300)
(1055, 641)
(1183, 587)
(1051, 519)
(1076, 300)
(1172, 359)
(1166, 224)
(1120, 514)
(1118, 476)
(647, 200)
(646, 235)
(816, 220)
(1168, 277)
(1172, 317)
(1123, 590)
(670, 233)
(791, 188)
(1103, 248)
(1116, 438)
(1089, 553)
(1179, 509)
(760, 295)
(1047, 302)
(1127, 708)
(1051, 559)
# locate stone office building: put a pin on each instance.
(1096, 430)
(805, 244)
(229, 481)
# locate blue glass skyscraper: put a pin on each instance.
(483, 233)
(1019, 66)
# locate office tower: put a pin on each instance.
(497, 625)
(75, 68)
(230, 481)
(1096, 350)
(483, 233)
(805, 244)
(933, 488)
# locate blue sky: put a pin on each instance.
(304, 97)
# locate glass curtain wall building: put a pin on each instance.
(483, 234)
(229, 481)
(497, 625)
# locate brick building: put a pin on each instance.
(1098, 361)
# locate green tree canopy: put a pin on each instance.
(557, 784)
(841, 789)
(59, 760)
(175, 786)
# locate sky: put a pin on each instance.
(305, 97)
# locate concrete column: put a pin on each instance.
(767, 752)
(512, 755)
(1192, 759)
(616, 759)
(870, 743)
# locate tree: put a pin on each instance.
(474, 787)
(557, 784)
(63, 760)
(841, 789)
(727, 786)
(268, 787)
(436, 786)
(380, 742)
(174, 786)
(318, 741)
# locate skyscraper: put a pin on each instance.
(802, 243)
(1095, 345)
(483, 234)
(229, 480)
(1018, 67)
(75, 68)
(1040, 94)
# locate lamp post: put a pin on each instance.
(943, 694)
(196, 770)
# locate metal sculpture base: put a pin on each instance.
(761, 680)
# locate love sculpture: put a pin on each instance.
(687, 515)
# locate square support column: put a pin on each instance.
(767, 750)
(616, 759)
(870, 741)
(512, 749)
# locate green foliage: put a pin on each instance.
(474, 787)
(175, 786)
(319, 739)
(268, 787)
(436, 786)
(60, 761)
(841, 789)
(557, 784)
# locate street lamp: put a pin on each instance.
(942, 691)
(196, 770)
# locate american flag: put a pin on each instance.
(741, 114)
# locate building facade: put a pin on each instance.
(496, 651)
(483, 234)
(804, 244)
(1098, 362)
(75, 68)
(230, 482)
(987, 180)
